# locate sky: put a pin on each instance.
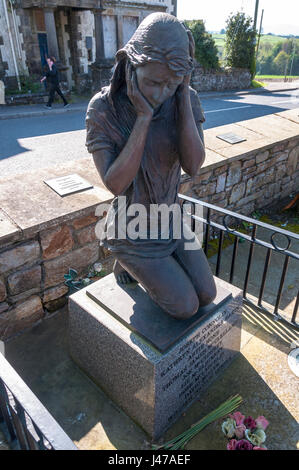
(280, 17)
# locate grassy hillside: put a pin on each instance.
(220, 39)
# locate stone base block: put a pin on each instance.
(151, 386)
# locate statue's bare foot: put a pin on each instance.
(121, 275)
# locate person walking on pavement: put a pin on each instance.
(53, 80)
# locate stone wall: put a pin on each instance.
(226, 79)
(32, 271)
(248, 183)
(43, 235)
(201, 80)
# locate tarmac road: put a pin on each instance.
(36, 141)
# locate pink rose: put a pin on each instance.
(261, 422)
(259, 448)
(250, 423)
(243, 444)
(238, 417)
(239, 431)
(231, 444)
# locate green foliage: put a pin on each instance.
(29, 84)
(266, 77)
(206, 52)
(240, 41)
(281, 61)
(257, 84)
(269, 48)
(76, 283)
(273, 57)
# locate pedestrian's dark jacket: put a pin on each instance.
(52, 76)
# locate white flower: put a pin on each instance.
(228, 428)
(257, 437)
(98, 267)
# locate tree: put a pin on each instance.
(271, 62)
(240, 41)
(281, 61)
(206, 52)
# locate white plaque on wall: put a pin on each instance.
(69, 184)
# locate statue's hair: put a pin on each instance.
(159, 38)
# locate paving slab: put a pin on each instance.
(35, 110)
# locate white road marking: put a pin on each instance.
(228, 109)
(247, 106)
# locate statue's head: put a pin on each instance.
(159, 51)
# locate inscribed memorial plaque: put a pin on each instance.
(69, 184)
(231, 138)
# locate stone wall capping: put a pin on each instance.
(275, 127)
(9, 231)
(37, 207)
(290, 114)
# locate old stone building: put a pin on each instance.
(83, 35)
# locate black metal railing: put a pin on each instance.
(28, 424)
(228, 222)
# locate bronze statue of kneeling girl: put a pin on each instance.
(142, 130)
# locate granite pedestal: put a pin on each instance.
(153, 377)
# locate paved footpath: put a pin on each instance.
(20, 111)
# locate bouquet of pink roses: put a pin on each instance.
(245, 433)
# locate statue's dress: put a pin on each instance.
(177, 279)
(158, 178)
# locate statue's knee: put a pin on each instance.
(207, 297)
(185, 308)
